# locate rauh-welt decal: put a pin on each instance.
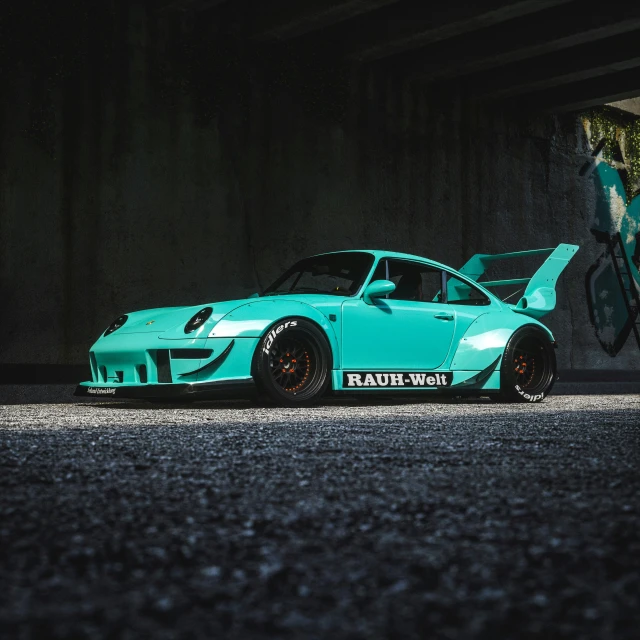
(356, 379)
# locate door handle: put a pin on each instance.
(444, 316)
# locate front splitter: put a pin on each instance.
(184, 391)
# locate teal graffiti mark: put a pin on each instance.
(613, 281)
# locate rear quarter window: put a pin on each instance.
(460, 292)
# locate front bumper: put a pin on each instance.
(180, 391)
(130, 360)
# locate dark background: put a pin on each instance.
(159, 153)
(162, 153)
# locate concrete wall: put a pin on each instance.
(148, 161)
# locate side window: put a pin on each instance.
(415, 282)
(459, 292)
(431, 285)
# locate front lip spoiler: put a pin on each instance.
(186, 391)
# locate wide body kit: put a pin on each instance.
(371, 335)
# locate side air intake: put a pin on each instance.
(164, 365)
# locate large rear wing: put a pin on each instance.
(540, 294)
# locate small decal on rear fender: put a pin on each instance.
(271, 336)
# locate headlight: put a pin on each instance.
(198, 320)
(115, 325)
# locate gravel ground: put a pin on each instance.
(353, 520)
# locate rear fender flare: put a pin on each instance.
(486, 338)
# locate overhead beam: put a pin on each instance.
(584, 94)
(187, 5)
(292, 18)
(408, 25)
(583, 62)
(527, 37)
(631, 105)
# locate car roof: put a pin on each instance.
(381, 253)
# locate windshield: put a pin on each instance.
(339, 274)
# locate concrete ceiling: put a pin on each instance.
(551, 55)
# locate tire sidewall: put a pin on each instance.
(510, 391)
(261, 371)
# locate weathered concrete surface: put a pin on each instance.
(63, 393)
(440, 520)
(147, 160)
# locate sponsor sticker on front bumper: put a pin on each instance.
(101, 391)
(370, 379)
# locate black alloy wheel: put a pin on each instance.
(292, 363)
(528, 369)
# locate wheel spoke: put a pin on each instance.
(524, 362)
(290, 363)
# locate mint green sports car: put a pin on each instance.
(351, 322)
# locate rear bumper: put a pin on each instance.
(185, 391)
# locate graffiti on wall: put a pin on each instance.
(613, 280)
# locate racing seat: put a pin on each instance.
(409, 287)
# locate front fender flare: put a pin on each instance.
(253, 319)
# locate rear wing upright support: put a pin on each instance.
(540, 295)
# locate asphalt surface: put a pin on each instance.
(442, 520)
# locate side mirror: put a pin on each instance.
(378, 289)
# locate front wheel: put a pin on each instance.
(292, 363)
(528, 368)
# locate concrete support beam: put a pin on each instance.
(520, 39)
(187, 5)
(585, 94)
(407, 25)
(631, 105)
(292, 18)
(583, 62)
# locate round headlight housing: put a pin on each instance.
(198, 320)
(115, 325)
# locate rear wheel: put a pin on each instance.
(528, 368)
(292, 363)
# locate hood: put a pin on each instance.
(156, 320)
(169, 322)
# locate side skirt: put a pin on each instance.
(455, 382)
(481, 377)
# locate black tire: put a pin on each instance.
(528, 368)
(292, 363)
